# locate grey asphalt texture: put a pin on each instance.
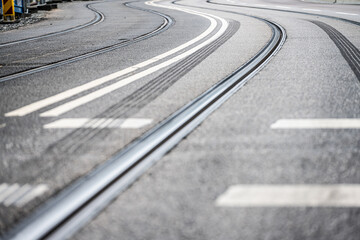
(34, 155)
(175, 199)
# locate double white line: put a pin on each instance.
(105, 90)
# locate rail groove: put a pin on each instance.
(290, 11)
(168, 21)
(99, 17)
(84, 199)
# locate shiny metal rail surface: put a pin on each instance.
(284, 10)
(99, 17)
(168, 21)
(84, 199)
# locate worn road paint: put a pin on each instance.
(342, 195)
(344, 13)
(16, 195)
(97, 82)
(314, 10)
(66, 107)
(331, 123)
(129, 123)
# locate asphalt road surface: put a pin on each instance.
(117, 121)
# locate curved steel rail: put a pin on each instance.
(168, 21)
(84, 199)
(290, 11)
(99, 17)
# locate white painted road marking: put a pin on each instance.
(2, 125)
(344, 13)
(66, 107)
(129, 123)
(3, 186)
(342, 195)
(283, 7)
(260, 5)
(16, 195)
(309, 9)
(32, 194)
(8, 191)
(331, 123)
(97, 82)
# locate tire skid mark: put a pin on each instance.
(150, 91)
(289, 11)
(348, 50)
(80, 139)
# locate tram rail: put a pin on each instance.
(284, 10)
(88, 196)
(99, 17)
(167, 22)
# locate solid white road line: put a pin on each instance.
(97, 82)
(331, 123)
(33, 193)
(3, 186)
(283, 7)
(344, 13)
(66, 107)
(342, 195)
(16, 195)
(8, 191)
(129, 123)
(309, 9)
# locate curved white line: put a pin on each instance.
(103, 91)
(71, 92)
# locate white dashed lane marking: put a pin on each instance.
(342, 195)
(35, 192)
(344, 13)
(283, 7)
(309, 9)
(18, 196)
(66, 107)
(35, 106)
(331, 123)
(129, 123)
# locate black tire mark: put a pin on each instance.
(141, 97)
(77, 141)
(350, 52)
(289, 11)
